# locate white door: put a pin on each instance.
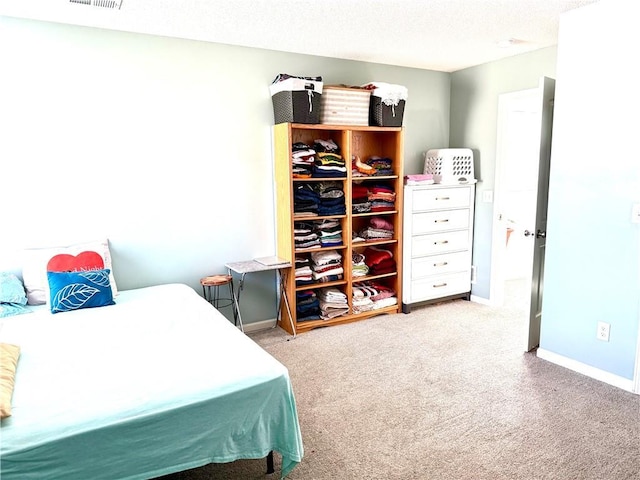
(520, 210)
(539, 233)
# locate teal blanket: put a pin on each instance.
(158, 383)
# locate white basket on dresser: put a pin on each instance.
(449, 165)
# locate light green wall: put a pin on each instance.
(162, 145)
(474, 118)
(180, 133)
(592, 269)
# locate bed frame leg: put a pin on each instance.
(270, 468)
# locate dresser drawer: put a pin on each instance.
(441, 198)
(441, 264)
(430, 222)
(440, 243)
(440, 286)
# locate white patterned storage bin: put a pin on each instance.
(450, 165)
(344, 106)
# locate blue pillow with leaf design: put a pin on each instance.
(76, 290)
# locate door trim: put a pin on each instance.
(498, 247)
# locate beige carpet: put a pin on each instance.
(445, 393)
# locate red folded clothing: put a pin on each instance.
(359, 191)
(381, 223)
(381, 189)
(373, 255)
(382, 271)
(383, 292)
(381, 208)
(386, 264)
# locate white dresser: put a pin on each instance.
(437, 242)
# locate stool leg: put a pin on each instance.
(209, 294)
(206, 292)
(216, 296)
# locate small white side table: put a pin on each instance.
(253, 266)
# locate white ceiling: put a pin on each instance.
(443, 35)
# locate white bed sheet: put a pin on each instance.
(157, 383)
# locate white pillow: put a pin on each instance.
(34, 270)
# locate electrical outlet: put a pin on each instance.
(603, 331)
(635, 213)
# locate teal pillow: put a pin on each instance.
(10, 309)
(76, 290)
(11, 289)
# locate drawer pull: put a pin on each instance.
(441, 242)
(440, 285)
(443, 220)
(441, 264)
(443, 198)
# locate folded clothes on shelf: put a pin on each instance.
(419, 179)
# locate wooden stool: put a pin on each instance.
(211, 292)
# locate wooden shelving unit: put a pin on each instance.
(361, 141)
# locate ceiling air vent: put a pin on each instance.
(100, 3)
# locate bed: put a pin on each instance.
(157, 383)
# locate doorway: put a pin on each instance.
(520, 203)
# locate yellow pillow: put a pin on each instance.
(8, 362)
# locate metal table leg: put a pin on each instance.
(283, 294)
(236, 298)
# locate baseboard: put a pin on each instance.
(483, 301)
(588, 370)
(261, 325)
